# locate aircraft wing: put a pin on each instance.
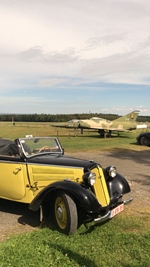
(68, 124)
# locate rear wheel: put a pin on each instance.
(144, 141)
(65, 213)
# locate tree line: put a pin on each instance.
(61, 117)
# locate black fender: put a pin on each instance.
(117, 186)
(82, 196)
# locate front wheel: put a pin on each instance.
(65, 213)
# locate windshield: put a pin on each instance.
(39, 145)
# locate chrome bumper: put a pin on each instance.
(127, 201)
(108, 214)
(103, 218)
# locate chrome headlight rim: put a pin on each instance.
(90, 178)
(112, 171)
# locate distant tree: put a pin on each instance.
(62, 117)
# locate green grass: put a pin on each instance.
(89, 140)
(122, 242)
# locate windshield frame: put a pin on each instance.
(35, 146)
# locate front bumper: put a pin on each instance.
(108, 215)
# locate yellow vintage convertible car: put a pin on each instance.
(35, 170)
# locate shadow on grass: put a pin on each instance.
(89, 228)
(80, 260)
(83, 228)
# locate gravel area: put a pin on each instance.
(134, 165)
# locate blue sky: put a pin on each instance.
(75, 56)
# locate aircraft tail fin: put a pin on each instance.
(132, 116)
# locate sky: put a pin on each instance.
(66, 57)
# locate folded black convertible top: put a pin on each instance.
(8, 147)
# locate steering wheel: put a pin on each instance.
(44, 148)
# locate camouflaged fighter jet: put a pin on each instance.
(103, 126)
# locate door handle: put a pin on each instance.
(19, 169)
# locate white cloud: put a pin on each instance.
(65, 44)
(52, 82)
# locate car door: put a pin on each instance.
(12, 179)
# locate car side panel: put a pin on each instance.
(44, 174)
(14, 183)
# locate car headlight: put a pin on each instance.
(112, 171)
(90, 178)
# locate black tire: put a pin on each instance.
(144, 141)
(65, 213)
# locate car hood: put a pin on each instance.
(62, 160)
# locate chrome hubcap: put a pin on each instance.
(59, 213)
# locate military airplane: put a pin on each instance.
(103, 126)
